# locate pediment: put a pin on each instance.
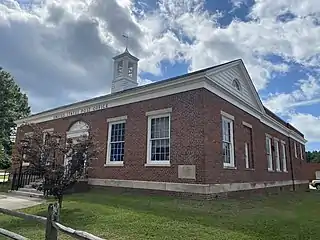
(234, 79)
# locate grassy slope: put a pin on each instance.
(112, 216)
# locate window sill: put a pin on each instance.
(117, 164)
(249, 169)
(271, 170)
(229, 167)
(157, 165)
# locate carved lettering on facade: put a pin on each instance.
(81, 111)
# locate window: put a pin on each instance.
(284, 160)
(295, 150)
(159, 139)
(246, 154)
(130, 69)
(277, 155)
(120, 67)
(227, 142)
(301, 152)
(236, 84)
(248, 145)
(116, 137)
(269, 153)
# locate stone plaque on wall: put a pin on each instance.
(187, 171)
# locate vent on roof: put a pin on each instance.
(236, 84)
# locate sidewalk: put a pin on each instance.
(13, 202)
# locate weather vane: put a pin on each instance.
(127, 39)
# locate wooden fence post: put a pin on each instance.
(53, 215)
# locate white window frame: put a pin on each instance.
(111, 122)
(283, 156)
(269, 155)
(153, 115)
(277, 155)
(26, 164)
(301, 155)
(230, 119)
(295, 150)
(246, 154)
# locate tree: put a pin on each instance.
(4, 158)
(46, 154)
(13, 106)
(313, 157)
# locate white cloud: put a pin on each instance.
(283, 103)
(60, 50)
(308, 124)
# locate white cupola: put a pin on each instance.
(125, 69)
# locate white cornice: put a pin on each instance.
(169, 87)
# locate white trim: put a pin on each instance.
(50, 130)
(158, 112)
(149, 162)
(269, 156)
(108, 162)
(246, 124)
(28, 134)
(246, 154)
(227, 115)
(231, 121)
(116, 164)
(277, 154)
(192, 188)
(76, 134)
(295, 150)
(165, 88)
(157, 165)
(284, 157)
(116, 119)
(301, 155)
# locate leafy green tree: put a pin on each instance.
(5, 162)
(313, 157)
(13, 106)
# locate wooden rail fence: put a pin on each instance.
(51, 223)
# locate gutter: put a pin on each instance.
(291, 165)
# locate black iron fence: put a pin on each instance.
(22, 178)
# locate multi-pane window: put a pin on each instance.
(283, 157)
(116, 142)
(301, 152)
(159, 139)
(269, 153)
(295, 149)
(227, 142)
(277, 155)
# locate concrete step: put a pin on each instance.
(32, 190)
(27, 194)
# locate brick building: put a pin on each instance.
(204, 132)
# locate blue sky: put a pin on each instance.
(56, 46)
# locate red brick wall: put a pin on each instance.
(310, 170)
(195, 139)
(186, 137)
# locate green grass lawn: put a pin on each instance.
(131, 216)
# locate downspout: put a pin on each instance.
(291, 166)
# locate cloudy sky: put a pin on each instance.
(60, 51)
